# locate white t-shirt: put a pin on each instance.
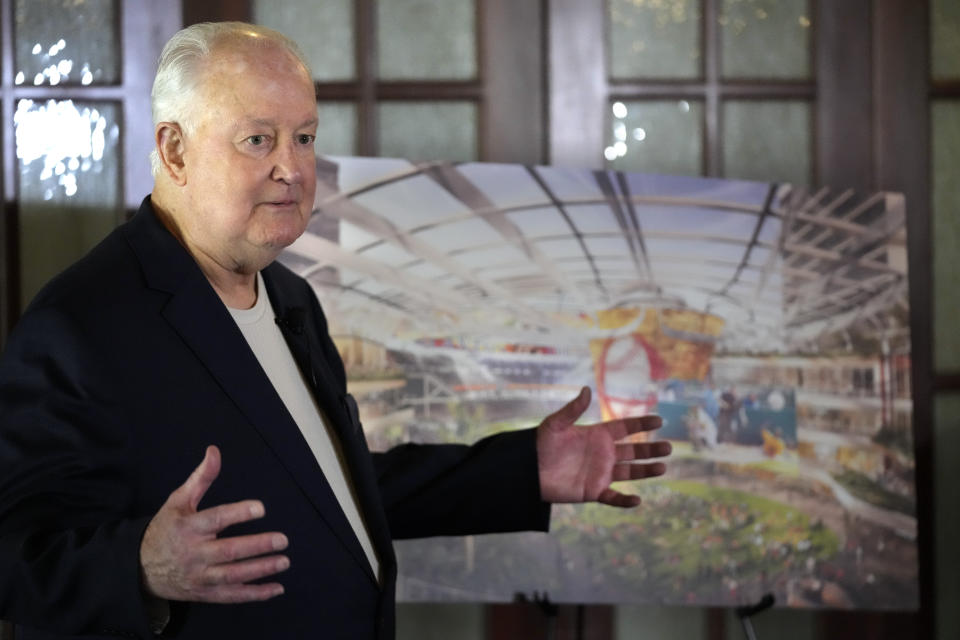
(265, 339)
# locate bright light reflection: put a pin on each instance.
(19, 79)
(58, 71)
(610, 154)
(620, 148)
(620, 131)
(684, 106)
(619, 110)
(60, 134)
(639, 134)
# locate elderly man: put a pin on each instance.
(179, 336)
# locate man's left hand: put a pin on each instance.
(577, 463)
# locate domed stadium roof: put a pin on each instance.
(482, 248)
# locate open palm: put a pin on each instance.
(578, 463)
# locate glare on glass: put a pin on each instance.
(945, 123)
(66, 42)
(767, 140)
(654, 38)
(427, 39)
(765, 38)
(428, 130)
(656, 136)
(323, 30)
(69, 183)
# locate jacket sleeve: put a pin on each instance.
(490, 487)
(69, 549)
(433, 490)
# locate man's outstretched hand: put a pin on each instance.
(183, 559)
(578, 463)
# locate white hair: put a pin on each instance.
(183, 56)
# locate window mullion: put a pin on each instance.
(366, 44)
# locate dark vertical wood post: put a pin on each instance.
(216, 11)
(577, 82)
(902, 163)
(710, 60)
(511, 65)
(9, 273)
(365, 34)
(844, 138)
(153, 24)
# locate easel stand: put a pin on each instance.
(744, 614)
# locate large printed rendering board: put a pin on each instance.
(766, 323)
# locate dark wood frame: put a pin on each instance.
(142, 32)
(511, 100)
(10, 93)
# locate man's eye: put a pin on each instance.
(306, 138)
(256, 140)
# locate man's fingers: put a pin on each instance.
(625, 427)
(642, 423)
(216, 519)
(236, 593)
(193, 490)
(627, 471)
(237, 573)
(570, 412)
(643, 450)
(617, 499)
(224, 550)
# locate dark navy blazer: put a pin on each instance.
(120, 373)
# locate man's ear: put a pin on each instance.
(170, 148)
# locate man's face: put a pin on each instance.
(249, 159)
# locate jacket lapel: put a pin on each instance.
(197, 314)
(340, 408)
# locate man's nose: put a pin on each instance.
(287, 164)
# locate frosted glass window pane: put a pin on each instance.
(66, 42)
(336, 129)
(767, 140)
(945, 124)
(654, 39)
(69, 190)
(946, 452)
(428, 130)
(945, 39)
(324, 31)
(656, 136)
(765, 38)
(427, 39)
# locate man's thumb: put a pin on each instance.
(571, 412)
(202, 477)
